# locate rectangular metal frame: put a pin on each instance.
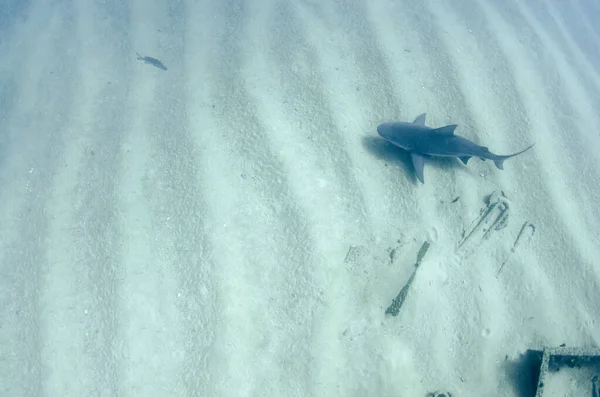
(554, 358)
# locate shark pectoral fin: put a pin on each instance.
(465, 159)
(446, 130)
(419, 163)
(420, 120)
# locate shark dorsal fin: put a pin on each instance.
(420, 120)
(447, 130)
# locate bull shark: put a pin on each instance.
(420, 141)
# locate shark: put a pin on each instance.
(422, 141)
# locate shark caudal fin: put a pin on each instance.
(499, 160)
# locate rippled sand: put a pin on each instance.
(233, 226)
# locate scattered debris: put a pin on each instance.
(356, 258)
(438, 393)
(151, 61)
(394, 308)
(526, 233)
(422, 252)
(493, 217)
(393, 252)
(352, 253)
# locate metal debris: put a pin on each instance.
(394, 308)
(551, 360)
(525, 235)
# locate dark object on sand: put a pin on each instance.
(585, 362)
(438, 393)
(398, 301)
(151, 61)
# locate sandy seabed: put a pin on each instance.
(234, 226)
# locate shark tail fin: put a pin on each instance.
(499, 161)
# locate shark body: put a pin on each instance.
(420, 141)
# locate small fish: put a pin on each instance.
(151, 61)
(420, 141)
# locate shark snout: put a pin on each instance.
(384, 130)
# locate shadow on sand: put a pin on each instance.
(396, 157)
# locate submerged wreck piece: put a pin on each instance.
(394, 308)
(438, 393)
(151, 61)
(492, 218)
(525, 235)
(580, 369)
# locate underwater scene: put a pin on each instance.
(320, 198)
